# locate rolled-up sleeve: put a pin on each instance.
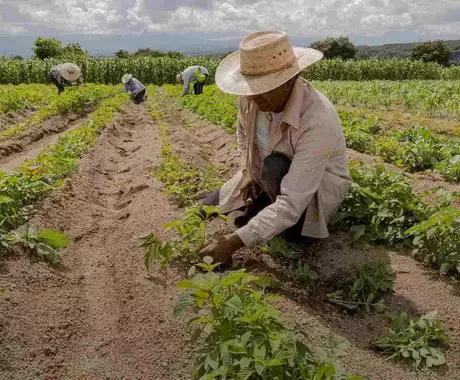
(306, 172)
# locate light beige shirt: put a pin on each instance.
(310, 133)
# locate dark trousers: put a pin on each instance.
(57, 84)
(198, 87)
(274, 168)
(139, 98)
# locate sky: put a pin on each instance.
(227, 19)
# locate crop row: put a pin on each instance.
(240, 332)
(415, 148)
(21, 189)
(381, 206)
(72, 100)
(160, 71)
(15, 98)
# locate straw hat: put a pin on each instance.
(265, 61)
(178, 78)
(126, 78)
(69, 71)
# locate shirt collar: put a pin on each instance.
(293, 109)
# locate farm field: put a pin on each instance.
(110, 174)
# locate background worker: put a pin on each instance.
(135, 88)
(196, 74)
(66, 74)
(295, 172)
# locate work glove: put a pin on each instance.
(222, 247)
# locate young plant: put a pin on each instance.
(436, 241)
(46, 244)
(242, 335)
(366, 289)
(417, 340)
(191, 234)
(302, 272)
(279, 247)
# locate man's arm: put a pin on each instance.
(126, 87)
(297, 189)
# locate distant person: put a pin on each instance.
(135, 88)
(66, 74)
(196, 74)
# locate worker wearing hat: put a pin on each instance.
(294, 174)
(195, 74)
(66, 74)
(134, 87)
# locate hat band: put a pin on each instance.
(271, 71)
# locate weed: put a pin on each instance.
(417, 339)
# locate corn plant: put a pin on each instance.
(416, 340)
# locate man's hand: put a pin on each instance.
(222, 247)
(250, 193)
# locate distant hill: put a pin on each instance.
(396, 50)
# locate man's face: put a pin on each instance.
(274, 100)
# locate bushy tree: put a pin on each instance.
(432, 51)
(122, 54)
(72, 50)
(47, 48)
(340, 47)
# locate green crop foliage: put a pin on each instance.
(366, 289)
(32, 96)
(73, 100)
(45, 245)
(191, 234)
(183, 181)
(436, 241)
(242, 334)
(417, 340)
(160, 71)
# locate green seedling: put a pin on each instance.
(366, 289)
(417, 340)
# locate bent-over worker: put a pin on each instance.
(294, 172)
(66, 74)
(196, 74)
(135, 88)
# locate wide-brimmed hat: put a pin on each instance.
(69, 71)
(126, 78)
(265, 61)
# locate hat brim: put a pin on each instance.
(126, 79)
(229, 78)
(71, 77)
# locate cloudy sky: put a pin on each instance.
(424, 18)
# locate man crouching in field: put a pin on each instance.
(295, 173)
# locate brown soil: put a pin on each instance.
(100, 317)
(12, 118)
(51, 126)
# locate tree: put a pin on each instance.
(340, 47)
(122, 54)
(18, 57)
(72, 50)
(432, 51)
(47, 48)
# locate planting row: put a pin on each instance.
(21, 189)
(416, 148)
(16, 98)
(160, 71)
(381, 206)
(73, 100)
(240, 333)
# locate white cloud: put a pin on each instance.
(297, 17)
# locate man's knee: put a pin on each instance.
(274, 168)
